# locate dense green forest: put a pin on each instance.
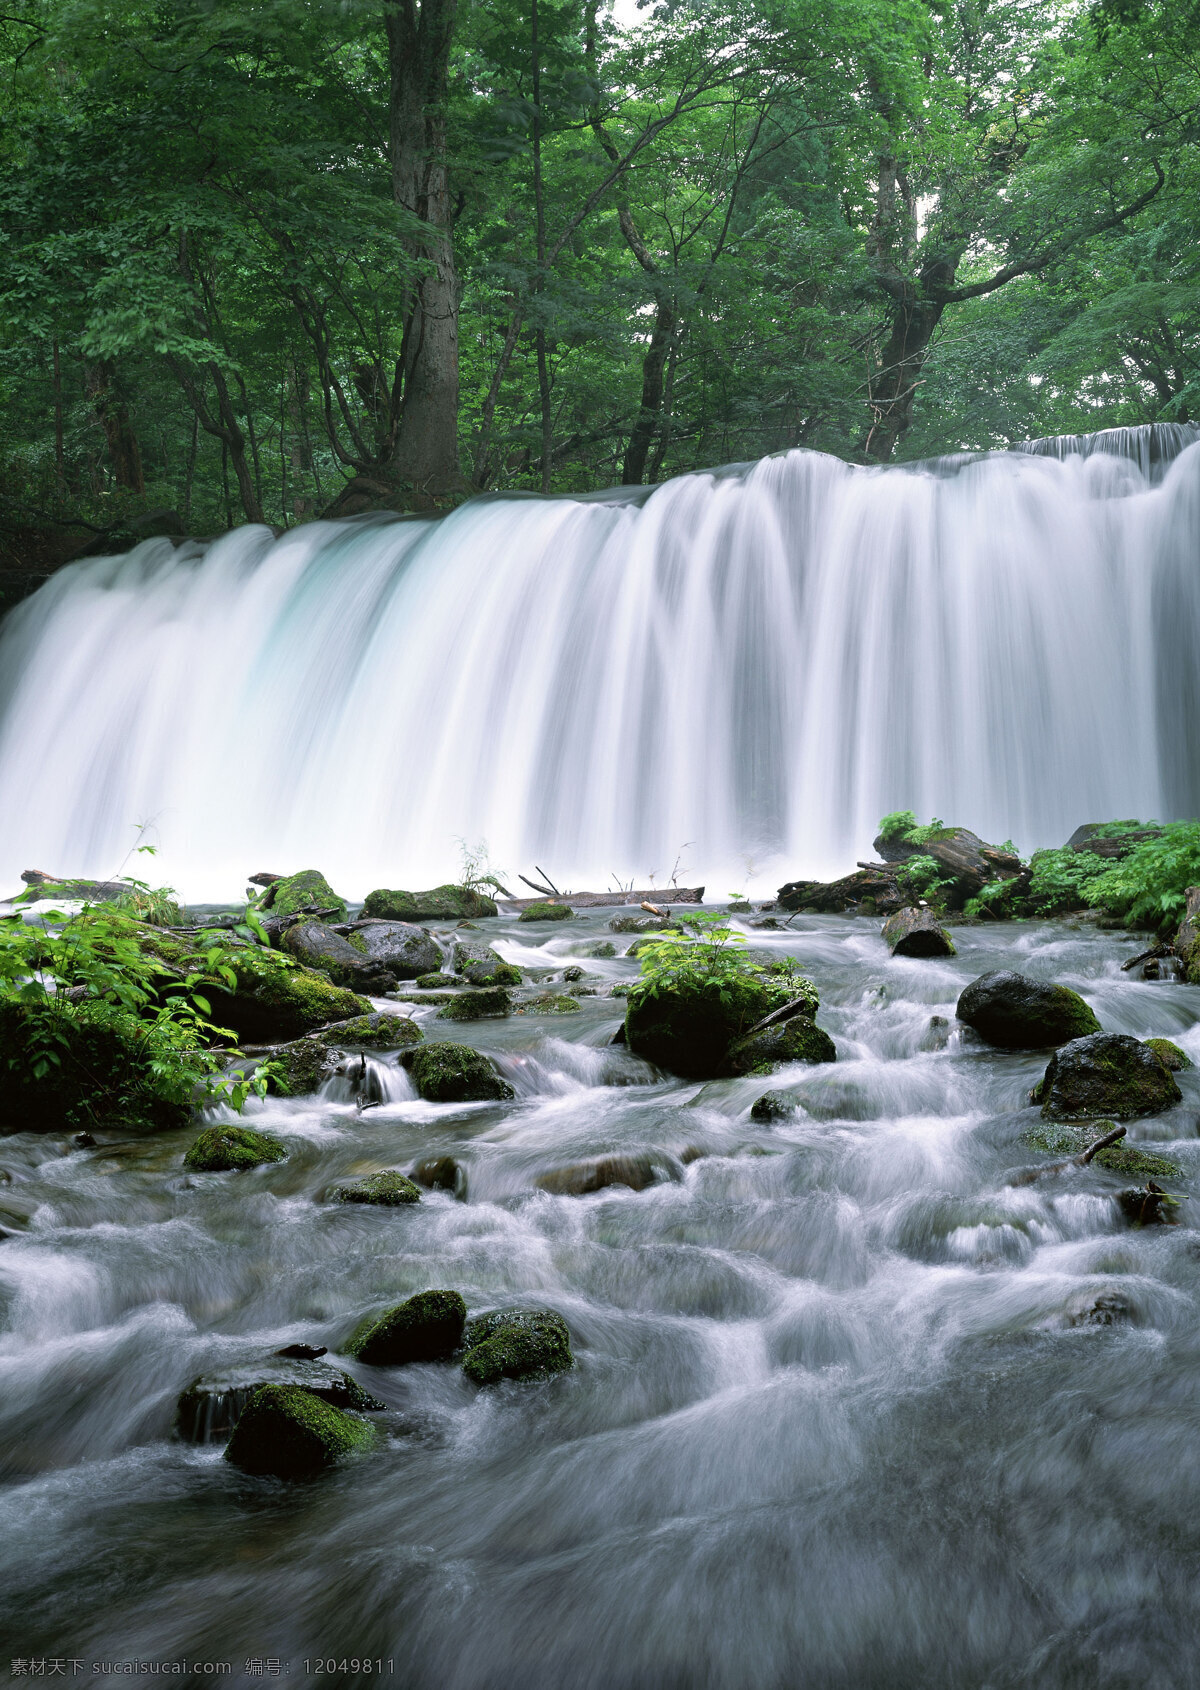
(261, 259)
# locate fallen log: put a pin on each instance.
(614, 900)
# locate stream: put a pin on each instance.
(851, 1411)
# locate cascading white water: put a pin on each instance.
(757, 663)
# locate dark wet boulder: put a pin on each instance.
(1170, 1055)
(916, 933)
(448, 1073)
(211, 1406)
(105, 1078)
(300, 1068)
(482, 1003)
(516, 1344)
(1149, 1206)
(966, 861)
(405, 949)
(1106, 1074)
(316, 945)
(546, 912)
(480, 965)
(232, 1149)
(436, 981)
(305, 1064)
(388, 1189)
(796, 1040)
(549, 1003)
(1187, 938)
(275, 1001)
(441, 1173)
(442, 903)
(425, 1328)
(1014, 1012)
(832, 897)
(1097, 839)
(639, 923)
(306, 893)
(773, 1106)
(580, 1178)
(288, 1433)
(689, 1028)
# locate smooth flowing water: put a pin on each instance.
(852, 1409)
(747, 668)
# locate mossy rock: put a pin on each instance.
(1067, 1139)
(317, 946)
(276, 1001)
(210, 1408)
(307, 1063)
(449, 1073)
(222, 1149)
(305, 893)
(482, 1003)
(425, 1328)
(480, 965)
(549, 1003)
(105, 1078)
(599, 950)
(546, 912)
(1105, 1074)
(689, 1029)
(285, 1432)
(773, 1106)
(1170, 1055)
(302, 1067)
(797, 1040)
(1014, 1012)
(387, 1190)
(442, 903)
(639, 923)
(915, 932)
(522, 1344)
(401, 946)
(435, 982)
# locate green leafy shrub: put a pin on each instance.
(1148, 886)
(897, 824)
(924, 876)
(1061, 880)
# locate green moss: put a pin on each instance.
(600, 949)
(285, 1432)
(689, 1029)
(219, 1149)
(435, 982)
(304, 1064)
(516, 1344)
(773, 1106)
(1067, 1139)
(425, 1328)
(308, 890)
(1170, 1054)
(449, 1073)
(477, 1004)
(442, 903)
(274, 1000)
(358, 942)
(549, 1003)
(387, 1190)
(546, 912)
(796, 1040)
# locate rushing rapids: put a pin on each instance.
(758, 662)
(855, 1405)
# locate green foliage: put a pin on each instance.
(1061, 880)
(1148, 886)
(924, 875)
(897, 824)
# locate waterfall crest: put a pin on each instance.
(754, 663)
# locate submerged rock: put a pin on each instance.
(481, 966)
(546, 912)
(1170, 1055)
(796, 1040)
(597, 949)
(1107, 1074)
(477, 1004)
(447, 1073)
(1150, 1206)
(306, 893)
(580, 1178)
(316, 945)
(222, 1149)
(389, 1189)
(1071, 1139)
(407, 950)
(425, 1328)
(916, 932)
(442, 903)
(1016, 1013)
(286, 1433)
(516, 1344)
(773, 1106)
(210, 1407)
(441, 1173)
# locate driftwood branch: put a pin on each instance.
(1082, 1161)
(547, 879)
(783, 1013)
(544, 890)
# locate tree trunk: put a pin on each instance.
(423, 451)
(894, 384)
(653, 366)
(124, 453)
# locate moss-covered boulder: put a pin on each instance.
(689, 1028)
(105, 1077)
(773, 1106)
(306, 893)
(436, 981)
(546, 912)
(796, 1040)
(285, 1432)
(516, 1344)
(316, 945)
(1170, 1055)
(1070, 1139)
(480, 965)
(402, 947)
(638, 923)
(477, 1004)
(305, 1064)
(579, 1179)
(916, 933)
(1105, 1074)
(442, 903)
(425, 1328)
(274, 1000)
(447, 1073)
(387, 1190)
(1149, 1206)
(1013, 1012)
(223, 1149)
(210, 1408)
(549, 1003)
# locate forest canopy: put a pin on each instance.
(264, 259)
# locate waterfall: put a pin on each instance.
(747, 667)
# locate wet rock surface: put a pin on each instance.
(1105, 1074)
(1012, 1011)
